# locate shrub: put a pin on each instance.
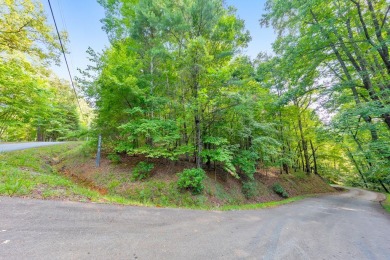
(246, 161)
(141, 171)
(192, 179)
(277, 188)
(114, 158)
(222, 152)
(86, 150)
(300, 175)
(249, 189)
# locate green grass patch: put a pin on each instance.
(163, 194)
(29, 173)
(386, 203)
(32, 173)
(261, 205)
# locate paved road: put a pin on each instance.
(22, 146)
(344, 226)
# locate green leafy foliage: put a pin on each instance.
(114, 158)
(300, 175)
(160, 137)
(246, 161)
(249, 189)
(34, 103)
(173, 85)
(142, 171)
(277, 188)
(192, 179)
(25, 29)
(386, 202)
(219, 151)
(345, 45)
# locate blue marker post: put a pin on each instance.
(98, 151)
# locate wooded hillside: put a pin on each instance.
(34, 103)
(174, 84)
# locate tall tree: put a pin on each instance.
(342, 46)
(24, 29)
(33, 104)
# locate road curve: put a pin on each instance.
(350, 225)
(21, 146)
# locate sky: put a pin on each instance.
(81, 19)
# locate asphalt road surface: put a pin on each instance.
(21, 146)
(351, 225)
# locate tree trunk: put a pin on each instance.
(150, 139)
(301, 156)
(284, 166)
(185, 138)
(314, 158)
(39, 134)
(197, 116)
(382, 50)
(198, 140)
(384, 187)
(304, 144)
(353, 61)
(357, 167)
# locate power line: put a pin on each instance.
(59, 4)
(66, 61)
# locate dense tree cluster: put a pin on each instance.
(337, 53)
(173, 84)
(34, 104)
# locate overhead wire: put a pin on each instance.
(60, 7)
(66, 61)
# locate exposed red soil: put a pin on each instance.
(165, 170)
(84, 181)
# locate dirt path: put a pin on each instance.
(349, 225)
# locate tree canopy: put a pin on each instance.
(174, 84)
(34, 104)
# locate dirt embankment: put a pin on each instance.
(160, 188)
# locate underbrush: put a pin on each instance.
(68, 172)
(386, 203)
(280, 190)
(165, 194)
(192, 179)
(249, 189)
(142, 171)
(30, 172)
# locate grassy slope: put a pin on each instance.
(386, 203)
(29, 172)
(68, 172)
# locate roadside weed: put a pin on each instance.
(386, 203)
